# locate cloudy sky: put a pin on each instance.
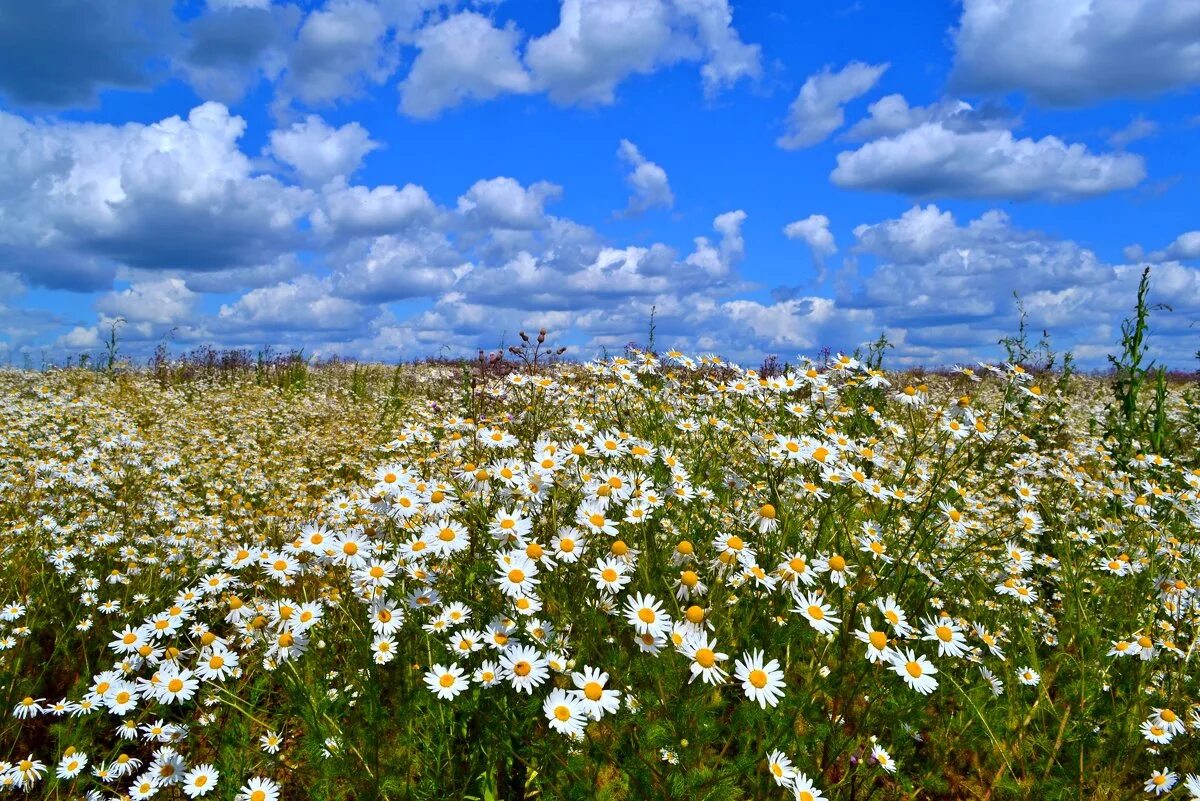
(396, 178)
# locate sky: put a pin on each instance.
(395, 179)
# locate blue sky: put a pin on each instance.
(396, 178)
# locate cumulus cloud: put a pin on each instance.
(372, 211)
(598, 43)
(891, 115)
(949, 285)
(464, 57)
(814, 231)
(304, 304)
(164, 301)
(1071, 52)
(236, 45)
(504, 203)
(1185, 248)
(342, 47)
(935, 160)
(318, 152)
(63, 52)
(647, 180)
(176, 194)
(818, 110)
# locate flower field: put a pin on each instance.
(643, 577)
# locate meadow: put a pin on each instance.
(647, 576)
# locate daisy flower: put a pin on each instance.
(948, 635)
(70, 765)
(917, 671)
(593, 694)
(646, 615)
(1160, 781)
(524, 667)
(565, 713)
(781, 768)
(259, 789)
(805, 790)
(1028, 676)
(883, 758)
(445, 682)
(762, 683)
(200, 780)
(819, 614)
(705, 659)
(876, 641)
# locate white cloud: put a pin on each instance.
(934, 160)
(305, 304)
(943, 290)
(391, 268)
(729, 59)
(341, 48)
(79, 338)
(891, 115)
(464, 57)
(370, 211)
(1185, 248)
(1138, 128)
(814, 231)
(1069, 52)
(161, 302)
(504, 203)
(818, 110)
(319, 152)
(177, 194)
(235, 45)
(647, 180)
(598, 43)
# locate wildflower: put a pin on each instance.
(917, 671)
(71, 764)
(875, 640)
(645, 614)
(761, 682)
(805, 790)
(524, 667)
(200, 780)
(818, 613)
(705, 659)
(445, 682)
(781, 768)
(28, 707)
(1028, 676)
(270, 742)
(565, 713)
(883, 758)
(1160, 781)
(949, 637)
(177, 686)
(593, 694)
(259, 789)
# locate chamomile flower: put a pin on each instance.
(524, 667)
(817, 612)
(762, 682)
(258, 789)
(445, 682)
(200, 780)
(596, 698)
(706, 661)
(917, 671)
(565, 713)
